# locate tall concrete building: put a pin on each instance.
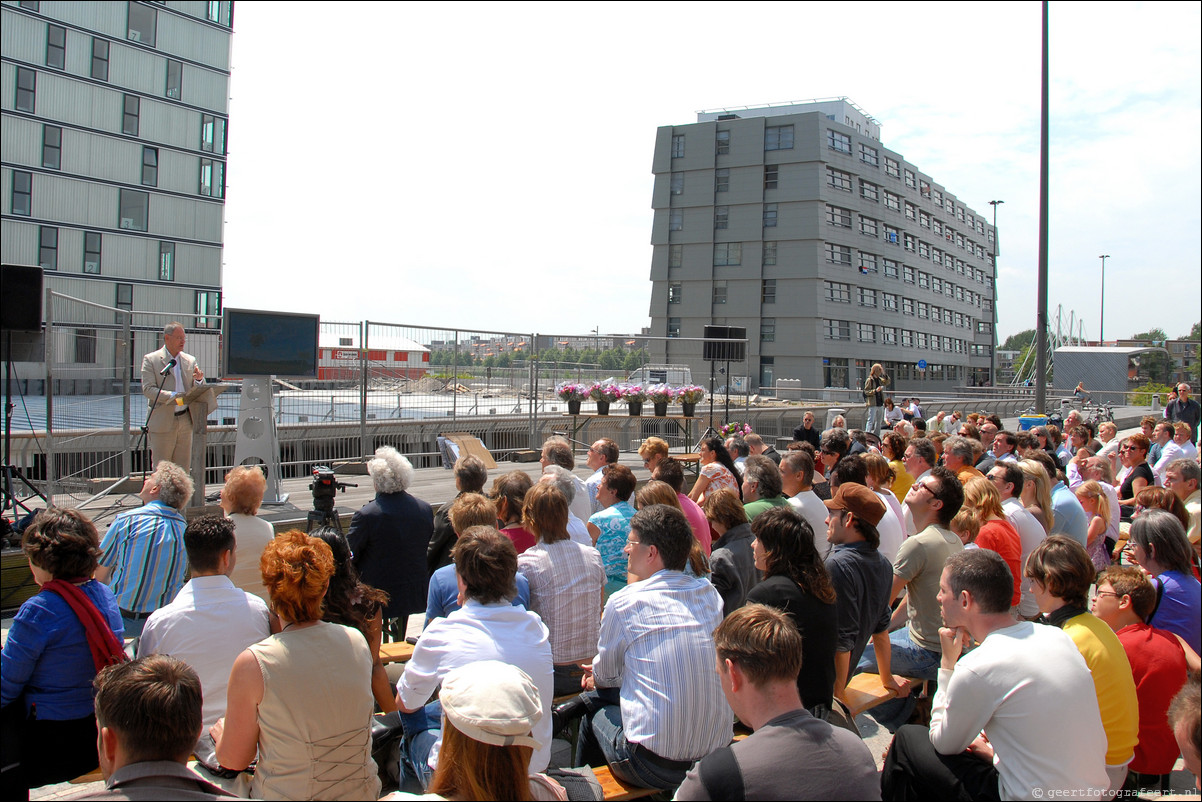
(833, 251)
(114, 146)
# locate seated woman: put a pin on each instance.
(240, 499)
(509, 493)
(1133, 454)
(731, 561)
(353, 604)
(611, 526)
(660, 492)
(50, 655)
(301, 699)
(653, 450)
(489, 712)
(1159, 546)
(717, 470)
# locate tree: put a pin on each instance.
(1195, 334)
(1017, 342)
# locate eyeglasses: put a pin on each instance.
(924, 486)
(1108, 593)
(633, 543)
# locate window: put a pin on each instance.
(677, 183)
(722, 180)
(838, 179)
(125, 296)
(212, 134)
(142, 21)
(166, 261)
(219, 11)
(677, 146)
(48, 247)
(722, 142)
(129, 119)
(676, 220)
(838, 254)
(838, 141)
(869, 227)
(960, 213)
(135, 210)
(891, 233)
(936, 256)
(867, 333)
(911, 211)
(911, 242)
(869, 156)
(920, 339)
(778, 137)
(910, 182)
(924, 250)
(924, 220)
(938, 198)
(22, 196)
(150, 167)
(891, 268)
(719, 292)
(675, 255)
(27, 89)
(212, 178)
(834, 372)
(907, 306)
(674, 293)
(892, 168)
(838, 292)
(721, 216)
(769, 253)
(85, 346)
(208, 309)
(52, 147)
(924, 280)
(91, 252)
(175, 79)
(771, 176)
(868, 262)
(837, 329)
(924, 310)
(768, 291)
(947, 317)
(907, 274)
(673, 327)
(767, 329)
(100, 59)
(907, 340)
(56, 46)
(937, 228)
(728, 253)
(892, 202)
(888, 335)
(840, 218)
(924, 189)
(889, 301)
(769, 215)
(867, 297)
(936, 285)
(870, 191)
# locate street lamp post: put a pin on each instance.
(1102, 311)
(993, 301)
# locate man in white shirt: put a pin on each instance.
(654, 707)
(600, 454)
(1004, 445)
(1182, 478)
(1181, 435)
(797, 476)
(558, 451)
(209, 622)
(1170, 451)
(1009, 478)
(487, 627)
(1026, 686)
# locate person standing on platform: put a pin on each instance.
(874, 397)
(170, 427)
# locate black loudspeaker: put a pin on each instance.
(21, 299)
(724, 344)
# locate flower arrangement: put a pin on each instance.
(632, 393)
(660, 394)
(735, 429)
(690, 394)
(569, 391)
(604, 392)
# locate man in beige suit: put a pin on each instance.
(170, 429)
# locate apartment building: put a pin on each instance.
(833, 251)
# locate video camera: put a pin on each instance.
(325, 487)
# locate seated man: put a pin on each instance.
(470, 476)
(759, 657)
(442, 599)
(761, 486)
(557, 451)
(210, 622)
(654, 708)
(487, 627)
(149, 711)
(142, 551)
(1025, 685)
(570, 485)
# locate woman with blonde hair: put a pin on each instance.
(657, 492)
(1097, 507)
(1037, 493)
(301, 699)
(653, 450)
(241, 496)
(996, 533)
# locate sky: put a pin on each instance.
(488, 165)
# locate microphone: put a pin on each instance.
(167, 368)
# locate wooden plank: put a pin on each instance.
(396, 652)
(615, 789)
(865, 692)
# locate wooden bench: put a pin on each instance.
(865, 692)
(396, 652)
(615, 789)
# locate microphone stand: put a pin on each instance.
(144, 441)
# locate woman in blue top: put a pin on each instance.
(46, 685)
(611, 526)
(1159, 546)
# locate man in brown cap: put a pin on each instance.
(863, 580)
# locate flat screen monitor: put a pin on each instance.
(258, 343)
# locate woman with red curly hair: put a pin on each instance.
(301, 699)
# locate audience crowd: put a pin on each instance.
(1022, 607)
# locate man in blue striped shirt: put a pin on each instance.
(142, 553)
(654, 704)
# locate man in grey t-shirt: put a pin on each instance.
(759, 656)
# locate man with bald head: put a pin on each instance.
(988, 431)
